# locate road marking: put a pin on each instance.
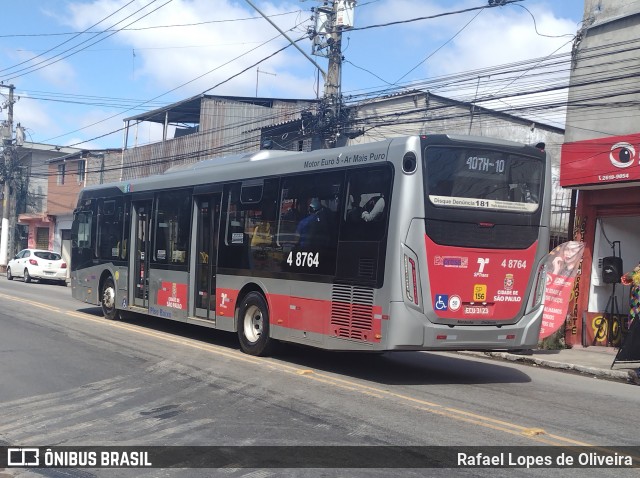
(534, 434)
(418, 403)
(30, 302)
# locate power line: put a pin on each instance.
(521, 90)
(440, 47)
(430, 17)
(153, 27)
(66, 41)
(32, 69)
(170, 91)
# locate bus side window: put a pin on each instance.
(81, 232)
(368, 193)
(173, 222)
(308, 225)
(249, 224)
(110, 228)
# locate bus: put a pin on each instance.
(432, 242)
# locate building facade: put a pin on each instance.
(599, 163)
(207, 126)
(67, 175)
(34, 225)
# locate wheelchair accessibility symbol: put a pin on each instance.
(440, 302)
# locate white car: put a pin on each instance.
(38, 264)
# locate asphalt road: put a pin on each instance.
(71, 378)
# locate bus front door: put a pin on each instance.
(140, 258)
(208, 213)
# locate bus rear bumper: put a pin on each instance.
(522, 335)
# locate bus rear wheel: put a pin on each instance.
(108, 299)
(253, 325)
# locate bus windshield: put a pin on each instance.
(483, 179)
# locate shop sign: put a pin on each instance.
(608, 160)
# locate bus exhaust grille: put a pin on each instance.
(352, 312)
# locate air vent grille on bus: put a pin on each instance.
(352, 312)
(367, 267)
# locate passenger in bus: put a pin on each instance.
(373, 209)
(294, 213)
(354, 213)
(309, 228)
(262, 235)
(122, 248)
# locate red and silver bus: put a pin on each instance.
(428, 242)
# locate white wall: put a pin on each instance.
(608, 229)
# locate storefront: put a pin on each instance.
(41, 230)
(605, 173)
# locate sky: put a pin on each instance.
(79, 67)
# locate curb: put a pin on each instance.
(617, 375)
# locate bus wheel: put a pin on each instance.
(253, 325)
(108, 299)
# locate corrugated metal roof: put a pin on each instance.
(188, 111)
(79, 154)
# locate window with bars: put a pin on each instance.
(42, 238)
(61, 171)
(81, 171)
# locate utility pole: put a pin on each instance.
(7, 149)
(7, 138)
(330, 21)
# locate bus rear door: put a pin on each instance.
(141, 252)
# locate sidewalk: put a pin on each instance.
(594, 361)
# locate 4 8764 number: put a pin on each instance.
(304, 259)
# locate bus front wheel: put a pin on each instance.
(108, 299)
(253, 325)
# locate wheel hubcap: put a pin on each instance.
(109, 298)
(253, 323)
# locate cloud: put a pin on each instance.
(198, 57)
(172, 63)
(34, 116)
(425, 51)
(50, 67)
(496, 38)
(470, 40)
(95, 125)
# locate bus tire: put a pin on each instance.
(253, 325)
(108, 299)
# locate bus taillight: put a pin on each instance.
(541, 282)
(410, 279)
